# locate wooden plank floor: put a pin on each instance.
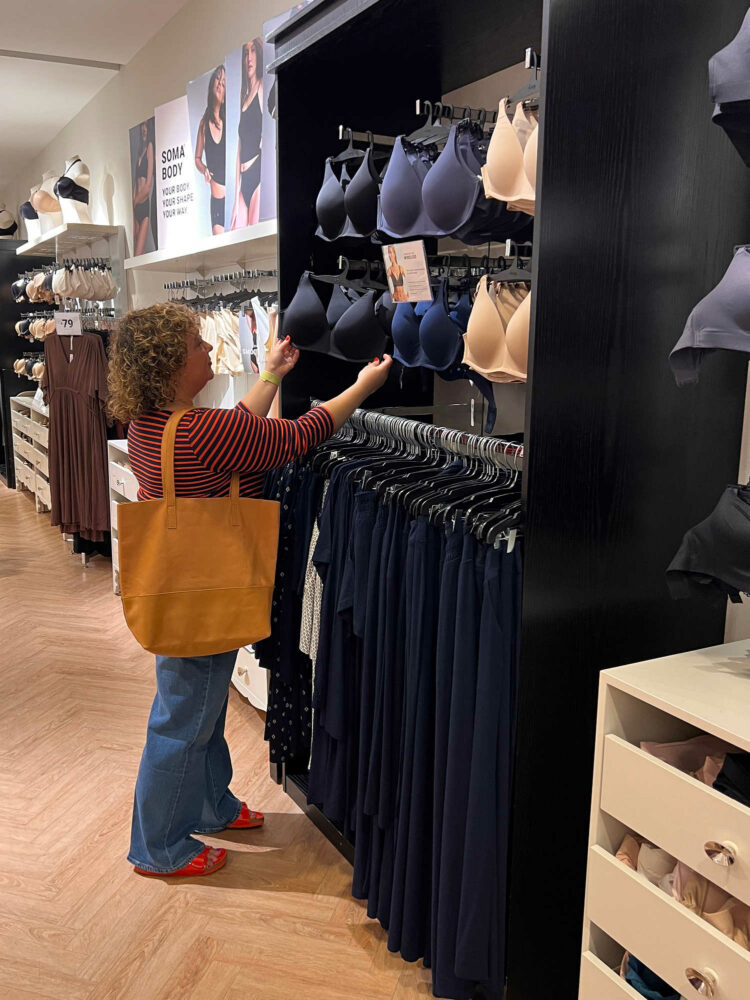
(76, 923)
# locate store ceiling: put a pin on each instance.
(56, 56)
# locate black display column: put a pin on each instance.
(641, 203)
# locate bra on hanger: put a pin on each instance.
(427, 335)
(444, 198)
(401, 211)
(496, 342)
(349, 327)
(348, 207)
(509, 174)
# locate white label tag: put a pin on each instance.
(68, 324)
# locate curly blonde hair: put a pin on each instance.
(146, 352)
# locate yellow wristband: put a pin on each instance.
(267, 376)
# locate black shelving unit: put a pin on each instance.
(640, 200)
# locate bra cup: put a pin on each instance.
(361, 197)
(530, 157)
(484, 340)
(439, 336)
(503, 174)
(358, 336)
(522, 125)
(305, 318)
(329, 205)
(517, 337)
(405, 333)
(449, 190)
(401, 192)
(338, 305)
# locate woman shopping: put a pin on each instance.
(158, 364)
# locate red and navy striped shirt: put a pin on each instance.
(212, 444)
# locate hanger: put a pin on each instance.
(516, 272)
(529, 93)
(350, 153)
(432, 131)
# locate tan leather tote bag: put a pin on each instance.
(197, 573)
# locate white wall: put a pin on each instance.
(195, 40)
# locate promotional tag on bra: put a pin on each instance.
(68, 324)
(408, 274)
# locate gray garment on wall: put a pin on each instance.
(729, 69)
(720, 321)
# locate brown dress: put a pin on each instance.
(76, 393)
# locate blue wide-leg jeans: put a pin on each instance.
(183, 780)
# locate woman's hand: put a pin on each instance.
(374, 375)
(282, 358)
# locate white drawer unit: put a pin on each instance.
(123, 488)
(43, 492)
(30, 423)
(599, 982)
(122, 481)
(41, 462)
(39, 432)
(666, 700)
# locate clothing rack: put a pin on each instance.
(462, 265)
(353, 136)
(198, 284)
(386, 427)
(438, 110)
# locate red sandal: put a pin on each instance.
(210, 860)
(248, 819)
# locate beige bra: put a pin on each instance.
(510, 171)
(496, 342)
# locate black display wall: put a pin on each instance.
(640, 200)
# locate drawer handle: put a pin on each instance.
(704, 983)
(723, 855)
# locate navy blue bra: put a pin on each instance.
(428, 335)
(426, 194)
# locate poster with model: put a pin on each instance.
(407, 271)
(143, 188)
(207, 107)
(176, 206)
(245, 97)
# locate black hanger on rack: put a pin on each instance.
(529, 93)
(433, 131)
(350, 153)
(518, 271)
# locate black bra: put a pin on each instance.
(27, 211)
(349, 328)
(348, 207)
(67, 188)
(10, 230)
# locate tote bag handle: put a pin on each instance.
(167, 474)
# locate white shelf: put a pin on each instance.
(67, 238)
(708, 688)
(243, 247)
